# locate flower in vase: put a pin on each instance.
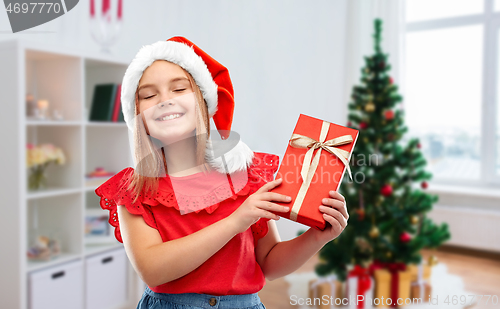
(37, 160)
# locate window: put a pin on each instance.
(451, 98)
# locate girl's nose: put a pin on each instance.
(165, 103)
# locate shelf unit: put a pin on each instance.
(66, 78)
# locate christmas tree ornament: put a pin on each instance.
(391, 80)
(363, 125)
(433, 260)
(424, 185)
(389, 114)
(388, 254)
(405, 237)
(367, 70)
(414, 219)
(374, 232)
(363, 244)
(366, 140)
(360, 213)
(349, 124)
(370, 107)
(419, 146)
(386, 190)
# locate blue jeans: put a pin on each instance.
(153, 300)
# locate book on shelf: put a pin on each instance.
(106, 103)
(117, 105)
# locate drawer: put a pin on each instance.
(57, 287)
(106, 279)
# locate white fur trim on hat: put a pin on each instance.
(237, 159)
(175, 52)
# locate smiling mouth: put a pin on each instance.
(169, 117)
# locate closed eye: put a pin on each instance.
(149, 97)
(179, 90)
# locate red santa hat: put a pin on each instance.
(215, 85)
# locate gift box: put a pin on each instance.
(420, 287)
(421, 290)
(314, 164)
(359, 283)
(328, 286)
(392, 281)
(426, 271)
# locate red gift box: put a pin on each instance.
(314, 163)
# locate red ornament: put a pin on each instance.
(419, 146)
(361, 214)
(349, 123)
(363, 125)
(424, 184)
(404, 237)
(386, 190)
(391, 81)
(389, 114)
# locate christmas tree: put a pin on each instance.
(386, 199)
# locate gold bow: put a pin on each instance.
(310, 164)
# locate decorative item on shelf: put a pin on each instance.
(329, 286)
(97, 229)
(105, 26)
(41, 112)
(57, 115)
(38, 159)
(43, 246)
(31, 107)
(97, 176)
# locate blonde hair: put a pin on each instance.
(151, 162)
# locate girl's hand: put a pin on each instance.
(257, 206)
(335, 212)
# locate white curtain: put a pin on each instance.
(359, 39)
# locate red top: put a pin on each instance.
(231, 270)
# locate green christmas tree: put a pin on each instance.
(386, 200)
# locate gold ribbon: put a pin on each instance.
(310, 164)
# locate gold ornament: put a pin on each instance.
(388, 254)
(433, 260)
(414, 219)
(379, 141)
(374, 232)
(370, 107)
(365, 140)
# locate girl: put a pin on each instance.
(194, 213)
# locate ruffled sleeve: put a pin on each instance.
(114, 192)
(261, 171)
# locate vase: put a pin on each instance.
(37, 178)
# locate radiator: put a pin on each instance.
(471, 228)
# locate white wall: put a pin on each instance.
(285, 57)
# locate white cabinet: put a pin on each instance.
(58, 287)
(66, 79)
(106, 279)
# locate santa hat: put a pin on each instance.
(214, 82)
